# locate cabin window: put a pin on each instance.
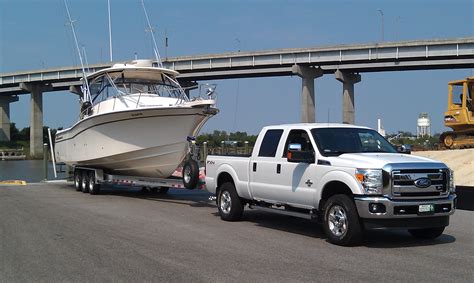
(270, 143)
(116, 84)
(300, 137)
(457, 94)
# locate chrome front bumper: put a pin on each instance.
(404, 208)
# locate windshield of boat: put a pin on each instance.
(116, 84)
(337, 141)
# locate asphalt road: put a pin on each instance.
(50, 232)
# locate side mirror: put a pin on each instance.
(404, 148)
(294, 146)
(300, 156)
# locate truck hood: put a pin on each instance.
(375, 160)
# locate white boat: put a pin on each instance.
(136, 121)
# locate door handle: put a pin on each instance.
(255, 167)
(278, 168)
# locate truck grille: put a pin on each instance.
(416, 183)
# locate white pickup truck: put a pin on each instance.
(349, 178)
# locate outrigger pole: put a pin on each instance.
(155, 48)
(85, 85)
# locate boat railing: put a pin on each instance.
(207, 92)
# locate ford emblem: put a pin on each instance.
(422, 182)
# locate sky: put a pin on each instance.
(34, 35)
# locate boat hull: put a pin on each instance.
(141, 142)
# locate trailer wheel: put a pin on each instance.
(84, 181)
(94, 188)
(228, 203)
(190, 174)
(427, 233)
(78, 180)
(341, 221)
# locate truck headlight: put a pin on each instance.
(452, 186)
(371, 180)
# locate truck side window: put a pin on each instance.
(299, 137)
(270, 143)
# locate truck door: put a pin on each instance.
(297, 180)
(262, 166)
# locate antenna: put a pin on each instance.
(85, 86)
(85, 57)
(166, 44)
(155, 48)
(110, 31)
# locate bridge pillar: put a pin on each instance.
(5, 116)
(36, 117)
(348, 106)
(307, 75)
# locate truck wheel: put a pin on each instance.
(190, 174)
(84, 181)
(78, 180)
(228, 203)
(427, 233)
(341, 221)
(94, 188)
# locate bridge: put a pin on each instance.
(345, 62)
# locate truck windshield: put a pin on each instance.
(337, 141)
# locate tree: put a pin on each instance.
(14, 132)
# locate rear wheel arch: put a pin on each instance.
(223, 178)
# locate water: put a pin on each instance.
(27, 170)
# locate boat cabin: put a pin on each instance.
(131, 86)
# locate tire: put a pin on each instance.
(85, 181)
(94, 188)
(78, 180)
(228, 203)
(427, 233)
(190, 174)
(341, 221)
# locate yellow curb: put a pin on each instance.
(13, 182)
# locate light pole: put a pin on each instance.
(397, 27)
(238, 44)
(381, 14)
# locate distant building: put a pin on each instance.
(380, 128)
(423, 128)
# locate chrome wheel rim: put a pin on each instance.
(225, 202)
(337, 220)
(187, 174)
